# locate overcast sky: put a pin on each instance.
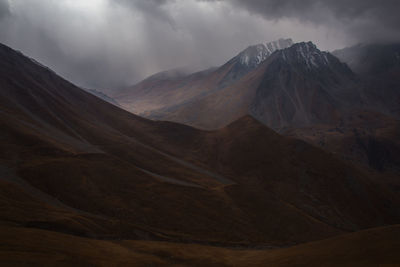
(110, 43)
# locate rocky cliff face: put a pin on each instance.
(303, 85)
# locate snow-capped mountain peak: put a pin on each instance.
(254, 55)
(307, 53)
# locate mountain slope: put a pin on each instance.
(367, 138)
(73, 163)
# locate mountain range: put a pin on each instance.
(263, 79)
(79, 174)
(296, 90)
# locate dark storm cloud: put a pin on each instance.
(366, 20)
(152, 8)
(111, 43)
(384, 9)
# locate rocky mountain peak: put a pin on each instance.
(256, 54)
(307, 53)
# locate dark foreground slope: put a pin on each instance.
(72, 163)
(31, 247)
(370, 139)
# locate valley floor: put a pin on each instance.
(33, 247)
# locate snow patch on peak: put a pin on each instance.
(309, 54)
(245, 59)
(254, 55)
